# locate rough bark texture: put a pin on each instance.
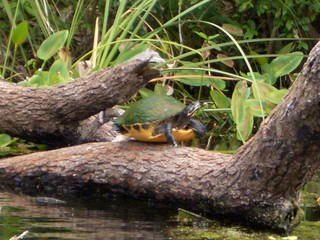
(260, 183)
(57, 115)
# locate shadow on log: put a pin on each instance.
(260, 183)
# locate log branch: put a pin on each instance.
(55, 115)
(260, 183)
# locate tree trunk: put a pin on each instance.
(259, 183)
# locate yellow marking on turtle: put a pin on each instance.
(140, 133)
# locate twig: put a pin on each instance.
(19, 237)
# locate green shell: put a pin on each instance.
(151, 109)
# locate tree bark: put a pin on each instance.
(60, 115)
(260, 183)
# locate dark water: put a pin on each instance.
(126, 219)
(83, 219)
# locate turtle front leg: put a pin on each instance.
(198, 127)
(168, 134)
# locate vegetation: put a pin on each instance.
(237, 57)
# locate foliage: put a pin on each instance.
(15, 146)
(287, 15)
(209, 47)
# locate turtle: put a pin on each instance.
(160, 119)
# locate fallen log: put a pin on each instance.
(260, 183)
(62, 115)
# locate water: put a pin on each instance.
(83, 219)
(117, 218)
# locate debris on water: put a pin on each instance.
(49, 200)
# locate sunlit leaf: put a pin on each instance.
(241, 114)
(201, 34)
(160, 90)
(52, 44)
(261, 89)
(39, 79)
(244, 128)
(58, 72)
(277, 95)
(257, 76)
(5, 140)
(285, 64)
(255, 107)
(286, 49)
(20, 33)
(221, 100)
(145, 92)
(218, 83)
(269, 107)
(268, 74)
(239, 95)
(213, 36)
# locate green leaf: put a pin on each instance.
(58, 72)
(20, 33)
(202, 35)
(257, 76)
(285, 64)
(221, 100)
(255, 107)
(244, 128)
(5, 140)
(260, 60)
(286, 49)
(269, 107)
(268, 74)
(197, 78)
(213, 36)
(241, 113)
(159, 89)
(39, 79)
(145, 92)
(261, 89)
(239, 95)
(277, 95)
(202, 81)
(52, 44)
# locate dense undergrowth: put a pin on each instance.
(237, 57)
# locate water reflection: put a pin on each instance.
(89, 219)
(126, 219)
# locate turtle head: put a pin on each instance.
(191, 109)
(186, 114)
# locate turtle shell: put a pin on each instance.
(150, 110)
(143, 117)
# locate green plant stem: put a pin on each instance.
(13, 25)
(13, 61)
(75, 20)
(105, 17)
